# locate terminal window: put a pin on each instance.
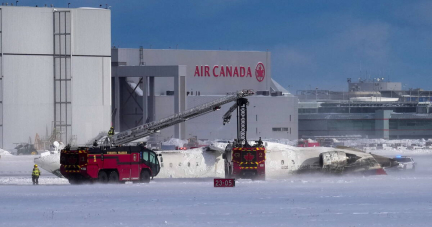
(415, 124)
(350, 125)
(280, 129)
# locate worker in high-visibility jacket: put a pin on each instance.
(35, 174)
(108, 140)
(111, 132)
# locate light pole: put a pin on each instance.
(316, 94)
(404, 86)
(410, 93)
(418, 95)
(391, 92)
(376, 92)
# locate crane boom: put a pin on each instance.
(227, 116)
(152, 127)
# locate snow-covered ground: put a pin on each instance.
(4, 152)
(398, 199)
(17, 170)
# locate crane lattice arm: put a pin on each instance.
(241, 107)
(152, 127)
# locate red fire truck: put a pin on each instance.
(245, 162)
(241, 159)
(109, 164)
(113, 162)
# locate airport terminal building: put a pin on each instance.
(175, 80)
(369, 109)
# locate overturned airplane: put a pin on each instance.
(212, 161)
(281, 161)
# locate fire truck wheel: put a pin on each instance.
(145, 176)
(103, 178)
(73, 181)
(113, 177)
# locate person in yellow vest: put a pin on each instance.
(108, 139)
(111, 132)
(35, 174)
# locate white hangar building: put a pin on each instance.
(55, 66)
(175, 80)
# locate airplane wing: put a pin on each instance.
(282, 159)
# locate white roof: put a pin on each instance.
(276, 86)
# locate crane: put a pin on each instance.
(153, 127)
(241, 159)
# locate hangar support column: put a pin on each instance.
(145, 99)
(151, 100)
(117, 103)
(180, 101)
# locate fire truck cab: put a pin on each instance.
(109, 164)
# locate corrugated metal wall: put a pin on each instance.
(55, 66)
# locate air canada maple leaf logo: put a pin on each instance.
(260, 72)
(249, 157)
